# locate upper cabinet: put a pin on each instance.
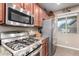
(27, 6)
(18, 5)
(41, 17)
(1, 13)
(45, 16)
(36, 15)
(31, 8)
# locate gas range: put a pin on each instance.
(20, 45)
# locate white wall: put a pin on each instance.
(73, 9)
(68, 39)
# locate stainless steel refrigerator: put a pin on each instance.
(47, 31)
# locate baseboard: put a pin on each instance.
(72, 48)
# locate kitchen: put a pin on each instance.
(39, 29)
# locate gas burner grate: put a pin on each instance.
(21, 43)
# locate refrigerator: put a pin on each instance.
(47, 31)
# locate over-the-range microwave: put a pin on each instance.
(17, 16)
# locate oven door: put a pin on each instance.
(35, 52)
(17, 18)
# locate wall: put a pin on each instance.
(68, 39)
(73, 9)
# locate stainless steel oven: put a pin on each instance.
(17, 43)
(17, 16)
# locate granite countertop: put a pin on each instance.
(41, 38)
(4, 52)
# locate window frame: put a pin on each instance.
(66, 18)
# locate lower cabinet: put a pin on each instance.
(44, 50)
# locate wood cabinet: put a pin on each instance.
(39, 13)
(18, 5)
(27, 6)
(44, 50)
(35, 10)
(45, 15)
(2, 6)
(32, 8)
(40, 17)
(36, 15)
(46, 47)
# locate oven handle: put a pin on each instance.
(33, 50)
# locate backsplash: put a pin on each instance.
(10, 28)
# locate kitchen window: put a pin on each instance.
(72, 24)
(67, 24)
(62, 24)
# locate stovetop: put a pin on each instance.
(19, 44)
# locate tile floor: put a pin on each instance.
(65, 52)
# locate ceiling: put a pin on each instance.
(54, 6)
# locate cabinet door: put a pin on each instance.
(40, 17)
(27, 6)
(32, 8)
(1, 13)
(43, 50)
(36, 10)
(45, 16)
(46, 47)
(18, 5)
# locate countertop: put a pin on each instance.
(4, 52)
(41, 38)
